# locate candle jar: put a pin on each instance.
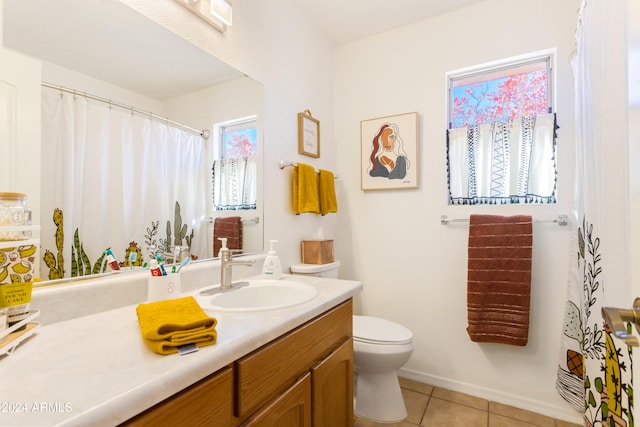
(14, 212)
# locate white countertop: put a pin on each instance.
(95, 370)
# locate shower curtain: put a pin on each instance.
(594, 372)
(118, 180)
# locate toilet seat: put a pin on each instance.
(374, 330)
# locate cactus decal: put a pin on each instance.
(150, 239)
(132, 248)
(180, 231)
(80, 256)
(56, 263)
(596, 374)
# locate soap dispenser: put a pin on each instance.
(223, 247)
(271, 268)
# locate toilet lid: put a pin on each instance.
(381, 331)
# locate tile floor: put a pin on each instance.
(429, 406)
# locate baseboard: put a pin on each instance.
(565, 413)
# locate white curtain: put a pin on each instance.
(234, 184)
(115, 178)
(594, 372)
(503, 162)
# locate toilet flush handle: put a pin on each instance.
(616, 319)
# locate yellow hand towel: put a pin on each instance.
(168, 324)
(305, 189)
(327, 193)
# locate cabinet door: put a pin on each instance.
(206, 403)
(332, 388)
(273, 368)
(290, 409)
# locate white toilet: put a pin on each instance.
(380, 348)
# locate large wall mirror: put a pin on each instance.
(104, 50)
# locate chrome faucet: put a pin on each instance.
(227, 266)
(615, 318)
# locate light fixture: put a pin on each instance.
(222, 10)
(216, 13)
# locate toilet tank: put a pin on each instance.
(329, 270)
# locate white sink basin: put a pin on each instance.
(259, 295)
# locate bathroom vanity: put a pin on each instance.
(291, 365)
(305, 375)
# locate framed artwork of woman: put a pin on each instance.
(389, 152)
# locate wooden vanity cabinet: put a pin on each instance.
(301, 379)
(208, 402)
(321, 348)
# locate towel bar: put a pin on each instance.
(289, 163)
(562, 220)
(255, 220)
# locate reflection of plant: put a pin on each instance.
(149, 238)
(180, 230)
(80, 263)
(164, 245)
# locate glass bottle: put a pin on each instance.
(14, 212)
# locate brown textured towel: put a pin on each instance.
(499, 278)
(231, 228)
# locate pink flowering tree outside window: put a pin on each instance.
(500, 99)
(240, 143)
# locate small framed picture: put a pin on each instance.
(389, 152)
(308, 135)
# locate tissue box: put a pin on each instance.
(317, 251)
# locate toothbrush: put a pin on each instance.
(184, 263)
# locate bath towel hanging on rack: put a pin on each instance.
(499, 278)
(327, 192)
(313, 192)
(305, 190)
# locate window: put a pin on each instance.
(501, 132)
(234, 170)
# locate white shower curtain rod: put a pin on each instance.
(203, 133)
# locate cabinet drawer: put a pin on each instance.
(206, 403)
(273, 368)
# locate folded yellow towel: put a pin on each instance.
(305, 189)
(327, 193)
(168, 324)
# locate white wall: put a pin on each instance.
(413, 268)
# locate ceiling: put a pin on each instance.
(344, 21)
